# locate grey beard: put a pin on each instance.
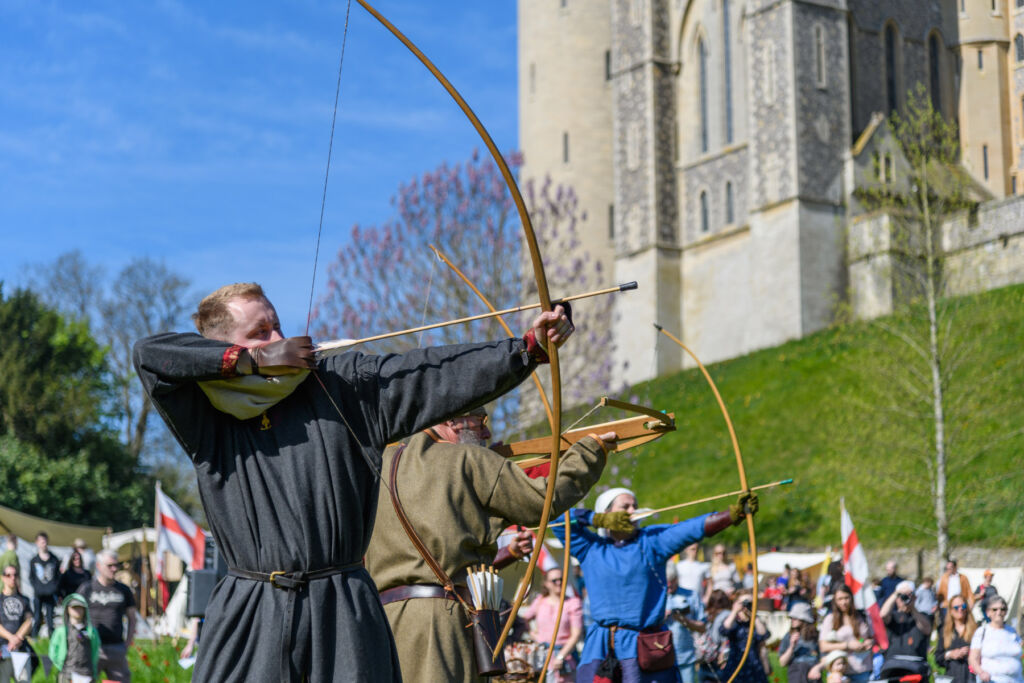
(471, 438)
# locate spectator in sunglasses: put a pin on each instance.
(954, 643)
(15, 624)
(545, 610)
(996, 648)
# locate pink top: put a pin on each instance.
(545, 611)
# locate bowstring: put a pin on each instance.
(327, 172)
(582, 418)
(426, 302)
(316, 255)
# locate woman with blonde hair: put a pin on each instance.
(954, 643)
(722, 574)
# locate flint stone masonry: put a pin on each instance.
(799, 241)
(711, 175)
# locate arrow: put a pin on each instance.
(643, 514)
(336, 346)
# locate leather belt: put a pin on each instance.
(292, 582)
(399, 593)
(296, 580)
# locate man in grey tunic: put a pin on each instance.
(290, 491)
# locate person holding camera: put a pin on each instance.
(736, 629)
(798, 650)
(909, 634)
(685, 616)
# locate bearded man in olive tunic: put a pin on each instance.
(287, 471)
(458, 495)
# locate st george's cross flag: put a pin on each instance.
(855, 572)
(177, 533)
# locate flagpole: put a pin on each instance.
(156, 525)
(145, 576)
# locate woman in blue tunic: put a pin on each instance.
(624, 567)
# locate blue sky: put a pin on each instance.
(197, 132)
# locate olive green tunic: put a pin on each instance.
(459, 498)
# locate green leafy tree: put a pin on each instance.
(145, 297)
(58, 456)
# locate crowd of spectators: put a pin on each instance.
(829, 639)
(96, 612)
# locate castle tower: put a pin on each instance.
(565, 120)
(1015, 14)
(988, 75)
(799, 120)
(646, 216)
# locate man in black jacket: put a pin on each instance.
(909, 633)
(44, 574)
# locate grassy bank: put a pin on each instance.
(813, 409)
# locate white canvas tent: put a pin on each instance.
(125, 538)
(1007, 581)
(173, 621)
(775, 563)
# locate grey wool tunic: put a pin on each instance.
(289, 491)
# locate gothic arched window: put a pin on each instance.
(702, 58)
(730, 212)
(935, 71)
(705, 218)
(891, 89)
(819, 56)
(727, 67)
(1018, 44)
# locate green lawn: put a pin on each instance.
(150, 661)
(812, 410)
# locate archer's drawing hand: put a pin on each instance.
(286, 357)
(521, 545)
(553, 326)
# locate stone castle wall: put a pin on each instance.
(984, 250)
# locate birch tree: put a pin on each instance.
(923, 395)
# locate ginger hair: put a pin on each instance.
(213, 317)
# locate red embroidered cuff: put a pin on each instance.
(229, 360)
(534, 350)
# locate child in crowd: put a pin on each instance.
(75, 645)
(832, 668)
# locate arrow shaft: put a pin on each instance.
(329, 348)
(781, 482)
